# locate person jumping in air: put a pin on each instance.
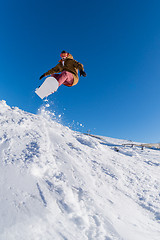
(66, 71)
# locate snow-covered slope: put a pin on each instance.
(59, 184)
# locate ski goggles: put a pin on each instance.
(64, 55)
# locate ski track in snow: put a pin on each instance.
(59, 184)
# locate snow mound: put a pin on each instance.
(56, 183)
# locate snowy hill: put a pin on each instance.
(59, 184)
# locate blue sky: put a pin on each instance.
(118, 43)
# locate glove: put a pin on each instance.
(82, 73)
(42, 76)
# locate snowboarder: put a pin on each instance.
(66, 71)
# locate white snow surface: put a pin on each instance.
(59, 184)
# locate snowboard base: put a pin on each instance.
(49, 86)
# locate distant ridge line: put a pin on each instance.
(142, 145)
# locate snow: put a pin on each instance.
(60, 184)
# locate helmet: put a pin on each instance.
(64, 51)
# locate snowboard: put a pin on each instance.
(49, 86)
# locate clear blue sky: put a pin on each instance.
(118, 43)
